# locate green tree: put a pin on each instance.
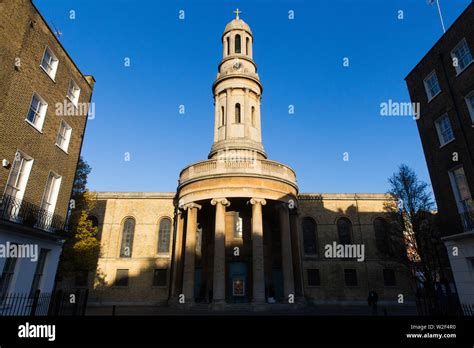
(82, 247)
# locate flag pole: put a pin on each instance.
(440, 16)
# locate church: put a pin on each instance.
(237, 231)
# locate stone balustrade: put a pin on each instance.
(244, 167)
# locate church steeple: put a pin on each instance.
(237, 92)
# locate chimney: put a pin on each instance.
(90, 80)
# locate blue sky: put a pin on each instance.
(300, 63)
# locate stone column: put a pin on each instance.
(217, 117)
(177, 276)
(286, 258)
(250, 47)
(189, 257)
(257, 251)
(258, 119)
(224, 46)
(218, 291)
(296, 252)
(228, 108)
(247, 116)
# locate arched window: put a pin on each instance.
(381, 229)
(253, 116)
(344, 230)
(237, 113)
(228, 45)
(164, 233)
(222, 116)
(309, 236)
(237, 44)
(127, 237)
(247, 46)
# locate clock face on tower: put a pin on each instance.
(237, 65)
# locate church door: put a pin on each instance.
(238, 282)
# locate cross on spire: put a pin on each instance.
(237, 13)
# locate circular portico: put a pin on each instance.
(261, 194)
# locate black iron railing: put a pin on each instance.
(41, 303)
(28, 214)
(16, 304)
(467, 309)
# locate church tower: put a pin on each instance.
(237, 198)
(237, 91)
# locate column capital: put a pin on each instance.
(224, 201)
(261, 201)
(191, 205)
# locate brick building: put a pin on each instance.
(443, 85)
(44, 102)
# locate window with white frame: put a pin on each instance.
(64, 136)
(445, 132)
(50, 63)
(19, 174)
(37, 111)
(39, 272)
(461, 56)
(51, 192)
(73, 92)
(432, 87)
(463, 197)
(470, 104)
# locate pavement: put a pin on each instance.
(307, 310)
